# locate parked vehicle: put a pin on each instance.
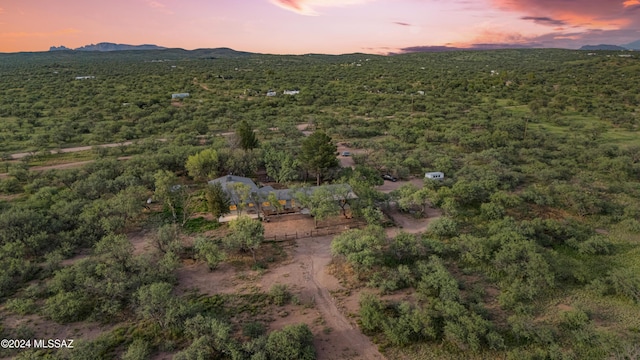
(389, 177)
(346, 153)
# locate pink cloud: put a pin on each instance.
(606, 14)
(308, 7)
(158, 6)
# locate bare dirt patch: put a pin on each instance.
(223, 280)
(304, 273)
(298, 226)
(305, 129)
(347, 161)
(408, 223)
(141, 241)
(42, 328)
(389, 186)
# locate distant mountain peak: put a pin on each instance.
(59, 48)
(633, 45)
(603, 47)
(107, 46)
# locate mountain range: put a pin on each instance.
(106, 46)
(604, 47)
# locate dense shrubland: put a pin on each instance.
(536, 255)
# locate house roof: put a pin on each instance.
(225, 181)
(263, 192)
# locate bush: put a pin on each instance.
(209, 251)
(67, 307)
(625, 282)
(444, 227)
(371, 313)
(21, 306)
(292, 342)
(253, 329)
(574, 319)
(279, 294)
(137, 350)
(595, 245)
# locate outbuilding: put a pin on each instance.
(436, 175)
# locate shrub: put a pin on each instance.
(371, 313)
(444, 227)
(137, 350)
(574, 319)
(209, 251)
(21, 306)
(67, 307)
(253, 329)
(292, 342)
(625, 282)
(279, 294)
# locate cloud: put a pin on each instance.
(308, 7)
(543, 20)
(578, 22)
(158, 6)
(604, 14)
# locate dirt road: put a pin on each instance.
(307, 274)
(64, 166)
(74, 149)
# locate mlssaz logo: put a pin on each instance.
(53, 343)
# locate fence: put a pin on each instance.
(314, 233)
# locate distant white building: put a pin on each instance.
(436, 175)
(179, 96)
(85, 77)
(271, 93)
(291, 92)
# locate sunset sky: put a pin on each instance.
(317, 26)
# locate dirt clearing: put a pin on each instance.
(304, 273)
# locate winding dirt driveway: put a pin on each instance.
(307, 274)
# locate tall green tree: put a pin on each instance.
(245, 234)
(281, 165)
(320, 202)
(203, 165)
(246, 136)
(318, 154)
(217, 200)
(174, 196)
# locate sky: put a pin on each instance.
(317, 26)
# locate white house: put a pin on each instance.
(271, 93)
(291, 92)
(436, 175)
